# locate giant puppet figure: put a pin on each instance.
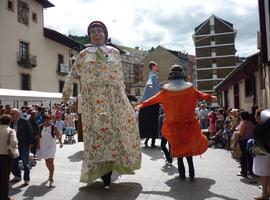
(148, 117)
(180, 126)
(111, 137)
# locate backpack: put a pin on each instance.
(52, 129)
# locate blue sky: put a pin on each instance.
(149, 23)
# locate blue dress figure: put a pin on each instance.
(148, 116)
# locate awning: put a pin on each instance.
(26, 95)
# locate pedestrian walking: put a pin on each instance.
(47, 145)
(26, 139)
(6, 134)
(203, 116)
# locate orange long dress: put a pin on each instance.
(180, 127)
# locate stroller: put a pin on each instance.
(69, 138)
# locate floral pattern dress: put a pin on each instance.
(111, 137)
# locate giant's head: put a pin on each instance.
(97, 33)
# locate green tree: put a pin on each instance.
(80, 39)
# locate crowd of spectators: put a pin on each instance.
(234, 130)
(27, 123)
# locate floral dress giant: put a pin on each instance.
(111, 137)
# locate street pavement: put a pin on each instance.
(215, 178)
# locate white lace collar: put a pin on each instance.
(177, 85)
(104, 48)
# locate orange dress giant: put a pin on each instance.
(180, 127)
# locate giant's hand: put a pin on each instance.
(214, 97)
(138, 107)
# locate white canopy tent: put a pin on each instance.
(18, 98)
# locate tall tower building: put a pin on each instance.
(214, 41)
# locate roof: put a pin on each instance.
(222, 20)
(45, 3)
(198, 27)
(178, 54)
(248, 66)
(27, 95)
(117, 47)
(61, 38)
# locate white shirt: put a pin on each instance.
(203, 114)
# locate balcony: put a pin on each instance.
(63, 69)
(27, 61)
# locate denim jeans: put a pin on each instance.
(203, 123)
(246, 160)
(24, 156)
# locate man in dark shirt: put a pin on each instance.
(25, 143)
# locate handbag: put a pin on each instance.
(13, 151)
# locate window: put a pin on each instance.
(212, 39)
(60, 58)
(214, 60)
(34, 17)
(262, 79)
(61, 85)
(10, 5)
(75, 90)
(23, 50)
(213, 49)
(138, 93)
(249, 88)
(25, 82)
(23, 12)
(71, 59)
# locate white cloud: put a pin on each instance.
(149, 23)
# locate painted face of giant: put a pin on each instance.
(97, 35)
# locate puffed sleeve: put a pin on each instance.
(203, 96)
(157, 98)
(74, 72)
(153, 80)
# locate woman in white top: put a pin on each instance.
(261, 163)
(6, 133)
(47, 145)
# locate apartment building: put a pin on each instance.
(165, 59)
(132, 66)
(33, 57)
(214, 41)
